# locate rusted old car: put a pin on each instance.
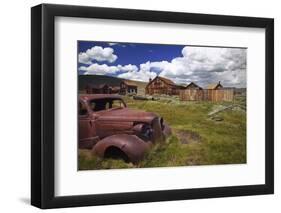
(111, 129)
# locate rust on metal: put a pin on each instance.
(131, 145)
(106, 126)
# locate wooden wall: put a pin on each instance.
(165, 90)
(206, 95)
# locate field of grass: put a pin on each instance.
(204, 133)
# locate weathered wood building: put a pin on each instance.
(192, 92)
(214, 93)
(219, 95)
(160, 85)
(193, 86)
(127, 87)
(101, 89)
(215, 86)
(98, 89)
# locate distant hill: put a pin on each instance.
(85, 80)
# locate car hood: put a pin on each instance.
(126, 114)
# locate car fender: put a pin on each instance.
(134, 147)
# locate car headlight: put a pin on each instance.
(143, 130)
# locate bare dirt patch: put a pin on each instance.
(187, 137)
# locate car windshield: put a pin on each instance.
(106, 103)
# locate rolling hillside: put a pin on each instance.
(85, 80)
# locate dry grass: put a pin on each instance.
(198, 139)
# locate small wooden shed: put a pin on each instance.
(128, 87)
(192, 92)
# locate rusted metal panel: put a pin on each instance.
(131, 131)
(131, 145)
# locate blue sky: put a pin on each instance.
(181, 63)
(129, 53)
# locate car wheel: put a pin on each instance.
(115, 153)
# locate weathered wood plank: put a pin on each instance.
(206, 95)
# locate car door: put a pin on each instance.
(87, 133)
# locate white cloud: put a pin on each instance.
(104, 69)
(112, 44)
(141, 75)
(118, 44)
(97, 53)
(128, 68)
(84, 58)
(202, 65)
(97, 69)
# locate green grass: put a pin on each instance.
(197, 139)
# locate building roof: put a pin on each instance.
(192, 83)
(214, 86)
(166, 80)
(129, 83)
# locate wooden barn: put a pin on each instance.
(160, 85)
(192, 92)
(98, 89)
(127, 87)
(214, 93)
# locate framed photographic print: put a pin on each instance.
(140, 106)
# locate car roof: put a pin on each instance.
(98, 96)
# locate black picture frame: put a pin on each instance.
(43, 117)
